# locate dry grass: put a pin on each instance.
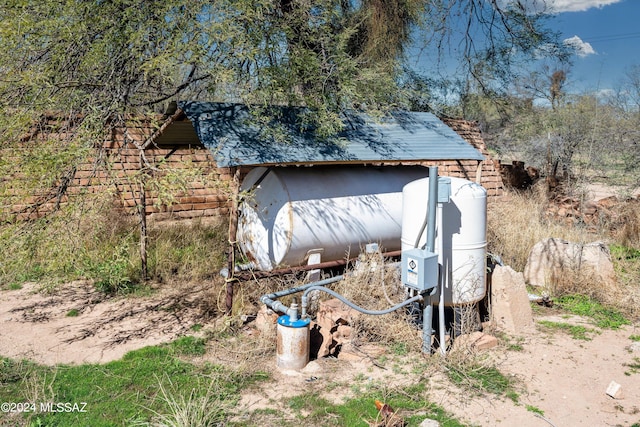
(376, 286)
(185, 410)
(38, 386)
(187, 250)
(247, 293)
(372, 284)
(245, 348)
(515, 225)
(626, 229)
(587, 283)
(369, 283)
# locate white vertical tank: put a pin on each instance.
(461, 236)
(288, 212)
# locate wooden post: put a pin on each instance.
(142, 213)
(233, 228)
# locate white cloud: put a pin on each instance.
(559, 6)
(605, 93)
(580, 47)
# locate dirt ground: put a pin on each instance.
(77, 324)
(564, 378)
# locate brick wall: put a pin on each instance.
(203, 193)
(204, 190)
(114, 168)
(490, 177)
(205, 187)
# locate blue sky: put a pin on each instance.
(606, 34)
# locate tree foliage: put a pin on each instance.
(124, 55)
(580, 135)
(118, 56)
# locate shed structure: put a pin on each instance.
(221, 142)
(237, 141)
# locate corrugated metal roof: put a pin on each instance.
(236, 138)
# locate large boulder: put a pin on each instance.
(556, 265)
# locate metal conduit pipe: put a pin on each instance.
(441, 317)
(432, 204)
(270, 299)
(305, 298)
(242, 272)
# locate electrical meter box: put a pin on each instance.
(419, 269)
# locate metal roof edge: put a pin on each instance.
(402, 136)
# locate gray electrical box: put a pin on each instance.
(444, 189)
(419, 269)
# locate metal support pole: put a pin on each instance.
(427, 312)
(431, 208)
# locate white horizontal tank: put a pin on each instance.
(286, 212)
(461, 236)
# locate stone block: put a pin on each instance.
(333, 319)
(266, 320)
(476, 341)
(614, 390)
(510, 307)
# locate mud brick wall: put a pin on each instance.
(206, 188)
(204, 194)
(490, 177)
(115, 168)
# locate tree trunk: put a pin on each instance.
(233, 227)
